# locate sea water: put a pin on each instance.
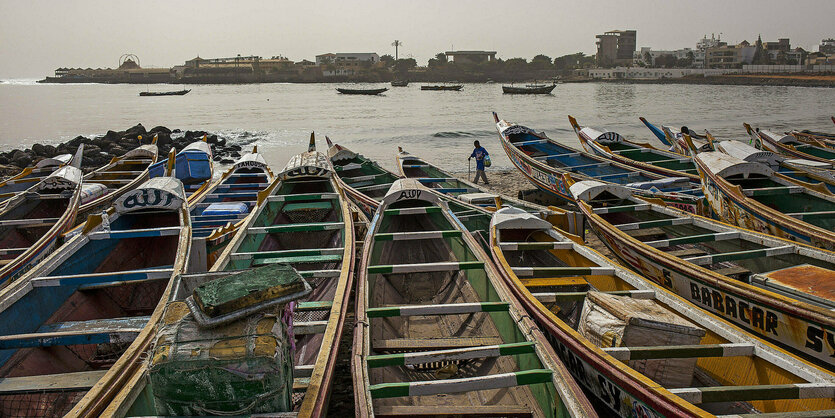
(439, 126)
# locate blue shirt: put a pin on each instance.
(479, 154)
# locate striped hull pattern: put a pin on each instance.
(736, 210)
(805, 333)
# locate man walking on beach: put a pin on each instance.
(479, 153)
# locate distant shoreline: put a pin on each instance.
(782, 80)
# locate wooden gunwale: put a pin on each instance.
(102, 201)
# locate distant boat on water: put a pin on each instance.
(529, 89)
(455, 87)
(400, 83)
(164, 93)
(369, 92)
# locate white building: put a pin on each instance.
(347, 58)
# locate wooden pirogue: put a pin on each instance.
(439, 334)
(366, 183)
(644, 156)
(753, 196)
(543, 161)
(639, 349)
(303, 220)
(30, 176)
(104, 185)
(791, 146)
(219, 209)
(32, 221)
(75, 326)
(676, 140)
(771, 287)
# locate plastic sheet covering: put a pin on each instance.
(242, 368)
(92, 191)
(226, 208)
(621, 321)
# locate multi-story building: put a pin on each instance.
(470, 57)
(733, 56)
(346, 64)
(648, 55)
(827, 46)
(616, 47)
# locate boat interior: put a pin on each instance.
(120, 174)
(434, 178)
(792, 199)
(572, 161)
(242, 185)
(724, 250)
(652, 156)
(672, 353)
(63, 331)
(300, 224)
(26, 221)
(427, 291)
(364, 176)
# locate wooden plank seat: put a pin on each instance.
(418, 344)
(458, 411)
(136, 233)
(693, 239)
(198, 223)
(117, 277)
(304, 206)
(562, 271)
(452, 354)
(680, 351)
(413, 211)
(316, 305)
(63, 382)
(309, 327)
(117, 172)
(467, 384)
(352, 180)
(302, 196)
(648, 233)
(101, 331)
(406, 236)
(288, 253)
(300, 384)
(654, 223)
(425, 267)
(813, 215)
(415, 165)
(624, 208)
(593, 165)
(732, 270)
(424, 180)
(532, 246)
(741, 255)
(531, 142)
(445, 309)
(234, 186)
(700, 395)
(686, 252)
(457, 190)
(771, 191)
(554, 297)
(232, 195)
(618, 175)
(301, 227)
(328, 258)
(226, 217)
(28, 223)
(320, 274)
(373, 187)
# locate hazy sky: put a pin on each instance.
(38, 36)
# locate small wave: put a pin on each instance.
(21, 81)
(461, 134)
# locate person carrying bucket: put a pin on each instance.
(482, 159)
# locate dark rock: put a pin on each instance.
(163, 138)
(4, 160)
(234, 147)
(40, 150)
(75, 142)
(128, 143)
(235, 154)
(50, 151)
(112, 136)
(91, 150)
(221, 142)
(135, 131)
(176, 131)
(216, 158)
(226, 161)
(117, 150)
(211, 139)
(160, 130)
(22, 160)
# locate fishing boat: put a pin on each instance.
(31, 176)
(771, 287)
(677, 144)
(32, 221)
(804, 170)
(437, 332)
(304, 221)
(79, 324)
(193, 166)
(122, 174)
(789, 145)
(529, 89)
(637, 348)
(220, 209)
(543, 162)
(399, 83)
(644, 156)
(369, 92)
(443, 87)
(753, 196)
(164, 93)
